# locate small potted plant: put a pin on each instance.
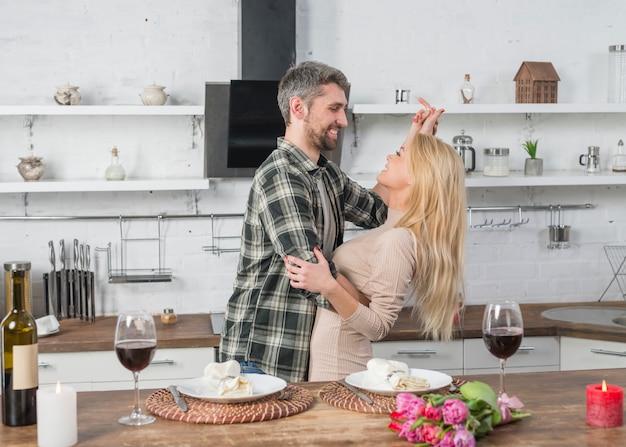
(533, 165)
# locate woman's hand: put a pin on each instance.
(426, 120)
(306, 275)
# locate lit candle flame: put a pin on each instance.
(58, 387)
(604, 385)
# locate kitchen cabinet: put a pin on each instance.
(88, 185)
(101, 370)
(581, 353)
(446, 357)
(534, 355)
(515, 178)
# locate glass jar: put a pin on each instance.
(496, 162)
(617, 73)
(168, 316)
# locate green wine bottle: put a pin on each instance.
(20, 376)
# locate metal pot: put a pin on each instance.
(466, 152)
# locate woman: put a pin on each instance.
(421, 249)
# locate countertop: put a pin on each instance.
(555, 399)
(195, 330)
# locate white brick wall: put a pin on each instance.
(112, 49)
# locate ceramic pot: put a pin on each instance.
(153, 95)
(533, 166)
(67, 95)
(31, 168)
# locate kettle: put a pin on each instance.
(466, 152)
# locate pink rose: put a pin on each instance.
(454, 411)
(432, 413)
(409, 404)
(463, 438)
(431, 434)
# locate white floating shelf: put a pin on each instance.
(454, 109)
(88, 110)
(103, 185)
(517, 178)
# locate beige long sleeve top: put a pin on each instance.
(380, 264)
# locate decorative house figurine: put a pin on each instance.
(536, 82)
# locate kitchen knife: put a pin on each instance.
(77, 281)
(89, 274)
(63, 280)
(52, 286)
(358, 393)
(83, 282)
(178, 398)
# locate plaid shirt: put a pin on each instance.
(267, 321)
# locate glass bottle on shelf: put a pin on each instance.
(618, 161)
(115, 171)
(466, 91)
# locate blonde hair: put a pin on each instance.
(436, 215)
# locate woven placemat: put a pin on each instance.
(339, 396)
(292, 400)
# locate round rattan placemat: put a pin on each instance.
(292, 400)
(339, 396)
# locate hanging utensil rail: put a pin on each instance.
(520, 209)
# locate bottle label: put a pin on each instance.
(25, 368)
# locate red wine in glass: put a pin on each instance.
(503, 342)
(135, 343)
(135, 355)
(503, 331)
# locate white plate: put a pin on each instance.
(367, 381)
(56, 331)
(262, 385)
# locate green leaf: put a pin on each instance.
(483, 392)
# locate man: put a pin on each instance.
(298, 201)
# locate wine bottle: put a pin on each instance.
(18, 337)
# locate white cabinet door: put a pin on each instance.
(169, 366)
(423, 354)
(101, 370)
(581, 353)
(69, 368)
(534, 354)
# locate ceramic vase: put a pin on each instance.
(31, 168)
(533, 166)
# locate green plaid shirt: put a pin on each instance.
(267, 321)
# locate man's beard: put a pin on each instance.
(321, 141)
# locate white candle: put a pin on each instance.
(56, 416)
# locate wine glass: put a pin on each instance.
(503, 331)
(135, 343)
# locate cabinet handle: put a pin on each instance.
(416, 352)
(604, 351)
(526, 348)
(44, 365)
(162, 362)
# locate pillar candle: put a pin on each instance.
(56, 416)
(605, 405)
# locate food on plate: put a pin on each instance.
(397, 375)
(226, 378)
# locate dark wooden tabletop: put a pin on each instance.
(555, 399)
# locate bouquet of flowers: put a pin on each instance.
(455, 420)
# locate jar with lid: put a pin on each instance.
(168, 316)
(617, 74)
(496, 161)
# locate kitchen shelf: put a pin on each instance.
(89, 110)
(103, 185)
(517, 178)
(467, 109)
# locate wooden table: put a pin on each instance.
(555, 399)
